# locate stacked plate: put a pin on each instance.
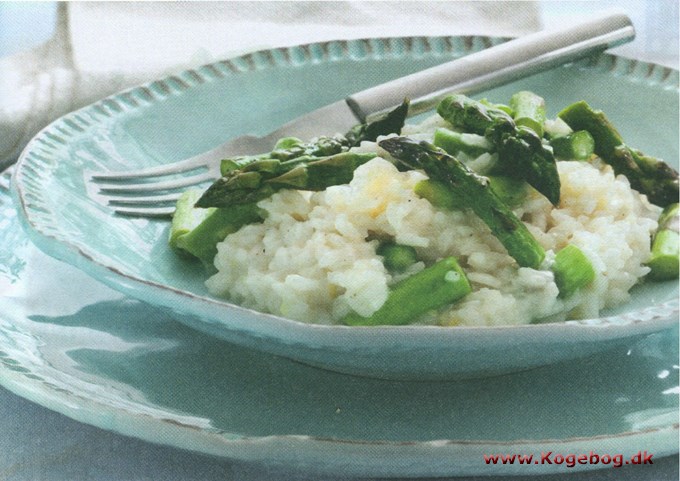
(147, 352)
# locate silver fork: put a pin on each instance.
(152, 192)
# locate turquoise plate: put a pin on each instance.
(77, 347)
(196, 110)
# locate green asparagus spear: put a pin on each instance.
(665, 245)
(529, 110)
(437, 286)
(264, 177)
(197, 231)
(521, 153)
(453, 142)
(440, 195)
(510, 191)
(647, 175)
(286, 155)
(573, 146)
(289, 148)
(572, 270)
(475, 189)
(397, 257)
(322, 173)
(246, 184)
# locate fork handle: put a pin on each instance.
(497, 65)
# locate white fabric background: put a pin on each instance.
(102, 47)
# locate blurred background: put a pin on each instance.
(56, 57)
(28, 24)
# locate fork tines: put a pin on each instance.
(150, 192)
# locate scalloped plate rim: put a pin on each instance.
(634, 323)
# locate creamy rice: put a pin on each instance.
(310, 259)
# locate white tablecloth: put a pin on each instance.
(101, 48)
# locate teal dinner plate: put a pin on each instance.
(196, 110)
(80, 348)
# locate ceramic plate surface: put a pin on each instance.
(87, 351)
(196, 110)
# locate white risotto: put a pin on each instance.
(314, 257)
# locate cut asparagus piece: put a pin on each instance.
(453, 142)
(521, 153)
(664, 259)
(470, 115)
(390, 123)
(216, 223)
(665, 245)
(528, 110)
(397, 257)
(556, 128)
(437, 286)
(580, 116)
(186, 217)
(505, 108)
(264, 177)
(572, 270)
(670, 218)
(646, 174)
(476, 191)
(573, 146)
